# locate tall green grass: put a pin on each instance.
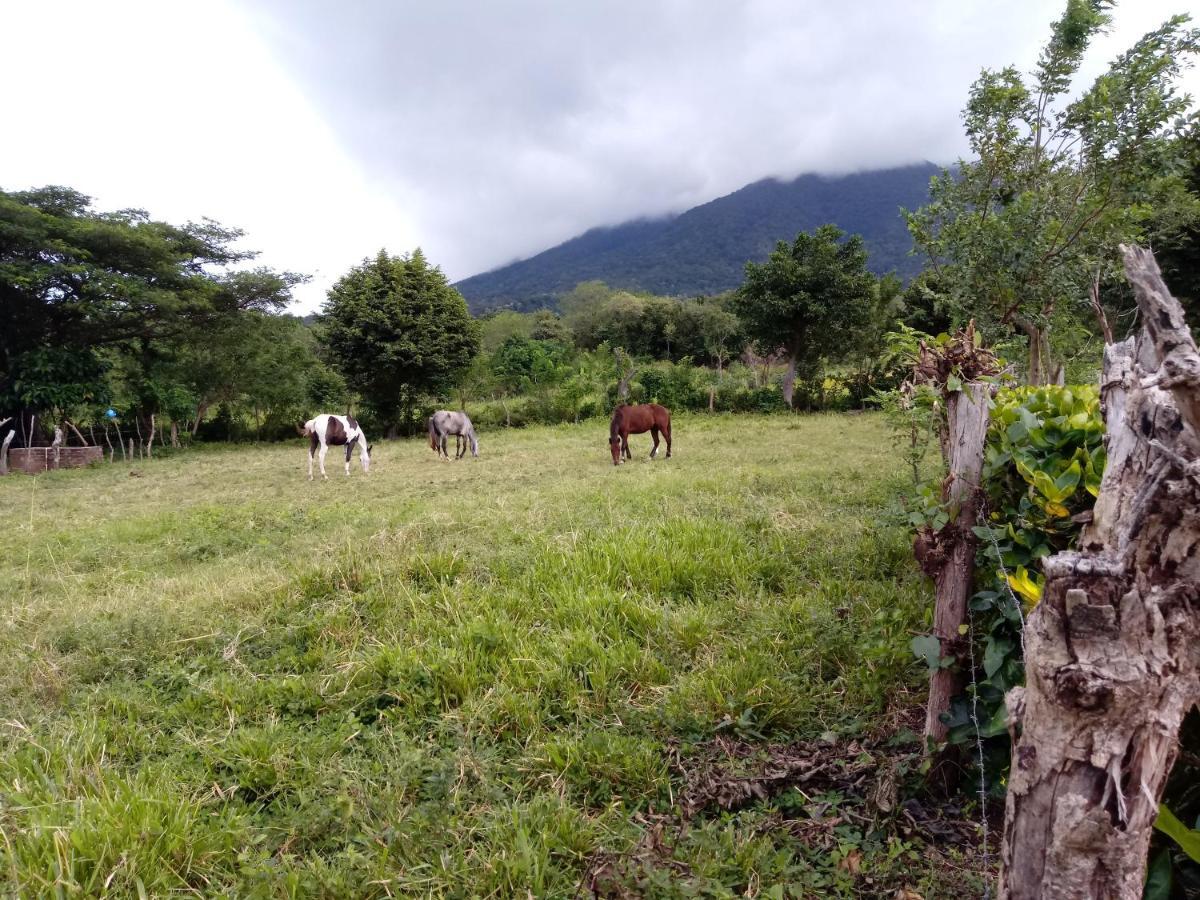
(442, 679)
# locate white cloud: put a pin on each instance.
(485, 131)
(180, 109)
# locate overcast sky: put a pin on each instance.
(485, 130)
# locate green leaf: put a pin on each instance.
(995, 654)
(1158, 877)
(1066, 483)
(997, 724)
(1187, 838)
(928, 648)
(953, 384)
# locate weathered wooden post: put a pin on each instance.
(967, 421)
(957, 369)
(1113, 648)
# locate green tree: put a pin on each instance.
(1178, 250)
(523, 365)
(720, 333)
(79, 288)
(547, 325)
(397, 330)
(811, 299)
(499, 326)
(1024, 234)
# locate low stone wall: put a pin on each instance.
(32, 460)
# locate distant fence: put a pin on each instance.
(32, 460)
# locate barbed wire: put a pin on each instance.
(983, 516)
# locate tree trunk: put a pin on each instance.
(1098, 308)
(1042, 370)
(174, 434)
(789, 380)
(150, 440)
(82, 441)
(201, 409)
(625, 372)
(1113, 648)
(967, 419)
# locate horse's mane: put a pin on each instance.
(615, 424)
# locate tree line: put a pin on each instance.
(117, 319)
(105, 313)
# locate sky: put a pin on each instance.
(485, 131)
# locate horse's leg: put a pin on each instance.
(311, 449)
(321, 458)
(666, 430)
(625, 445)
(654, 434)
(460, 447)
(445, 455)
(349, 447)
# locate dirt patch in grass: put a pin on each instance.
(839, 800)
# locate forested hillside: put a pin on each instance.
(704, 250)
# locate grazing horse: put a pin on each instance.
(638, 419)
(327, 431)
(443, 423)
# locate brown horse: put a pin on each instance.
(638, 419)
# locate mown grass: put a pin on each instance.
(444, 679)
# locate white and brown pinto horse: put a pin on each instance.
(327, 431)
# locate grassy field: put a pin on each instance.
(531, 674)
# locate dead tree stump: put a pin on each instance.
(1113, 648)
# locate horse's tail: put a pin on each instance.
(433, 444)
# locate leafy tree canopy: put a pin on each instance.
(1033, 219)
(812, 299)
(74, 281)
(397, 330)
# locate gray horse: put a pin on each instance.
(443, 423)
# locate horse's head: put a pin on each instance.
(614, 444)
(366, 457)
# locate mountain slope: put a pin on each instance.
(704, 250)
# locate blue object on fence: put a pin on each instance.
(112, 413)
